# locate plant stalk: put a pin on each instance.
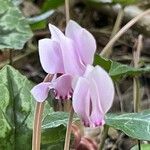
(136, 83)
(67, 11)
(36, 136)
(68, 132)
(103, 136)
(122, 31)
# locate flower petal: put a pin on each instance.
(85, 42)
(105, 87)
(88, 71)
(81, 100)
(62, 86)
(50, 56)
(72, 64)
(40, 91)
(97, 115)
(56, 34)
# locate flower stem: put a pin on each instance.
(122, 31)
(136, 83)
(67, 11)
(36, 136)
(68, 132)
(37, 126)
(103, 136)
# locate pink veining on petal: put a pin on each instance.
(81, 100)
(89, 94)
(62, 86)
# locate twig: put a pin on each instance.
(116, 29)
(36, 138)
(122, 31)
(17, 58)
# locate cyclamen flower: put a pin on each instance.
(67, 55)
(93, 96)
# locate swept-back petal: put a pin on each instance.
(50, 56)
(81, 100)
(56, 34)
(72, 64)
(105, 87)
(85, 42)
(40, 91)
(63, 87)
(88, 71)
(97, 115)
(72, 29)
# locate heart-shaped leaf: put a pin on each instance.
(17, 111)
(14, 29)
(135, 125)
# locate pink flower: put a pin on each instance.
(93, 96)
(67, 55)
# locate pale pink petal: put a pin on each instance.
(97, 115)
(62, 86)
(81, 100)
(56, 34)
(72, 64)
(72, 29)
(89, 69)
(50, 56)
(85, 42)
(40, 91)
(105, 87)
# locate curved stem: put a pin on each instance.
(37, 126)
(122, 31)
(68, 132)
(36, 136)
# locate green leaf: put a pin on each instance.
(55, 119)
(14, 29)
(55, 124)
(16, 115)
(17, 2)
(16, 110)
(51, 4)
(143, 147)
(135, 125)
(40, 21)
(118, 70)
